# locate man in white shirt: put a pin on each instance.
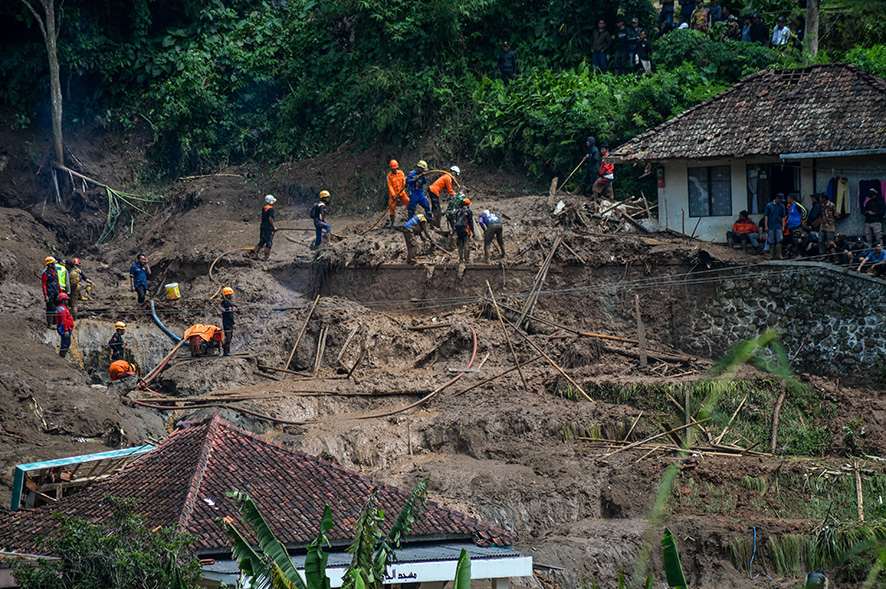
(781, 33)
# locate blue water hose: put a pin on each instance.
(159, 323)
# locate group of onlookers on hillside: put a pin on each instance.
(628, 48)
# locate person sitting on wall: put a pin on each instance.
(807, 244)
(857, 248)
(744, 231)
(876, 259)
(839, 250)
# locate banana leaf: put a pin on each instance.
(673, 567)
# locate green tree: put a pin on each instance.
(371, 550)
(119, 553)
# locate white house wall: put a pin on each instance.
(814, 176)
(674, 200)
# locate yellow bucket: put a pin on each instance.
(172, 291)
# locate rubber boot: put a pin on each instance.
(778, 251)
(393, 223)
(730, 241)
(267, 252)
(486, 254)
(744, 246)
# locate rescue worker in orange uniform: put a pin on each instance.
(121, 369)
(443, 183)
(396, 189)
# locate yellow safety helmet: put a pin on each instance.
(227, 291)
(421, 218)
(49, 260)
(119, 325)
(422, 164)
(324, 194)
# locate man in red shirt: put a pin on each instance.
(603, 185)
(743, 231)
(65, 324)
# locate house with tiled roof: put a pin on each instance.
(807, 130)
(184, 481)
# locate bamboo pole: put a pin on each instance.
(303, 329)
(641, 336)
(731, 419)
(551, 362)
(507, 336)
(859, 493)
(656, 436)
(491, 378)
(775, 413)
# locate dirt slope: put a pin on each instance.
(507, 452)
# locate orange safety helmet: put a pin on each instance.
(227, 291)
(466, 201)
(394, 164)
(49, 260)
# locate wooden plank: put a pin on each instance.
(302, 332)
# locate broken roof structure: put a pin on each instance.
(818, 110)
(184, 482)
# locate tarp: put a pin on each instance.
(207, 332)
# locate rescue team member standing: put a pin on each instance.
(464, 228)
(138, 277)
(443, 183)
(492, 229)
(415, 187)
(62, 273)
(593, 159)
(417, 226)
(318, 214)
(266, 229)
(396, 189)
(227, 310)
(116, 343)
(50, 289)
(64, 323)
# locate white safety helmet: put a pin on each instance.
(270, 199)
(455, 170)
(486, 212)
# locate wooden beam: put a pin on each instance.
(302, 332)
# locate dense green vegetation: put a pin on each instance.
(225, 81)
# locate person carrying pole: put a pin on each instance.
(593, 159)
(318, 214)
(267, 228)
(227, 311)
(415, 183)
(396, 190)
(441, 184)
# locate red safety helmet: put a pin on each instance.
(62, 296)
(394, 164)
(76, 261)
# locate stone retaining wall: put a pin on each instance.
(838, 318)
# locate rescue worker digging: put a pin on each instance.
(318, 214)
(76, 277)
(492, 229)
(227, 311)
(116, 343)
(121, 369)
(396, 190)
(50, 289)
(267, 228)
(64, 324)
(443, 183)
(417, 226)
(464, 229)
(415, 183)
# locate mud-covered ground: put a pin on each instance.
(510, 451)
